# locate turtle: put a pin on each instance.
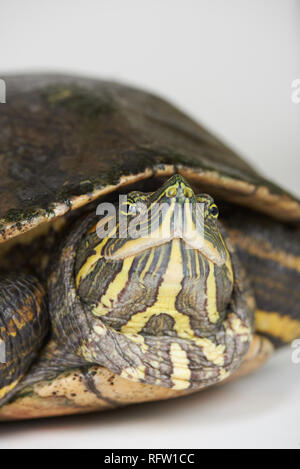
(141, 258)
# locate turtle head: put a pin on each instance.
(162, 290)
(148, 220)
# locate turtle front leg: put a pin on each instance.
(23, 326)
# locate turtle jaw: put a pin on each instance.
(136, 247)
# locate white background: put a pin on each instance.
(231, 65)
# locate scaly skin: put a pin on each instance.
(23, 327)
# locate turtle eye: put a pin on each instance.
(129, 208)
(132, 209)
(214, 211)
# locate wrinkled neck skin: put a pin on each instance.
(167, 315)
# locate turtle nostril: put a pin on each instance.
(180, 192)
(171, 192)
(188, 193)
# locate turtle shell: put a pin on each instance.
(65, 141)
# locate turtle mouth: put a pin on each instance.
(160, 224)
(135, 247)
